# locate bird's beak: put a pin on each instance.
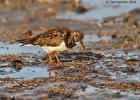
(82, 45)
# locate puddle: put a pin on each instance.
(95, 38)
(135, 52)
(25, 73)
(117, 94)
(6, 48)
(105, 9)
(120, 94)
(90, 89)
(134, 77)
(4, 64)
(116, 53)
(115, 65)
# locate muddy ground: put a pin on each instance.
(109, 69)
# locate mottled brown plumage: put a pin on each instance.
(52, 37)
(56, 40)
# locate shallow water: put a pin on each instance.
(6, 48)
(25, 73)
(96, 38)
(106, 65)
(90, 89)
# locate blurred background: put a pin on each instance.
(17, 16)
(109, 68)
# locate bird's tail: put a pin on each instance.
(24, 41)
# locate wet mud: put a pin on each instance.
(109, 68)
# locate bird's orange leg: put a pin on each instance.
(58, 60)
(51, 62)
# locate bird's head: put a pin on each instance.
(78, 37)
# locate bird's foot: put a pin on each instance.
(59, 63)
(51, 62)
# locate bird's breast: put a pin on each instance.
(61, 47)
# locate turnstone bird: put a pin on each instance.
(56, 40)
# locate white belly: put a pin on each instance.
(61, 47)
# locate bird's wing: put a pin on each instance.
(52, 37)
